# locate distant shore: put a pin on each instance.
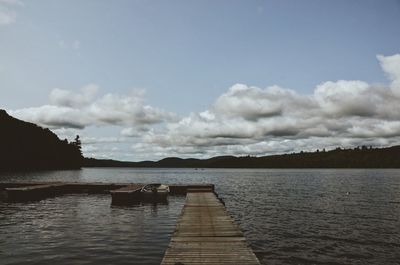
(361, 157)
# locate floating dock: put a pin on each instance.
(121, 192)
(206, 234)
(126, 195)
(34, 192)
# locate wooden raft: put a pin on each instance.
(206, 234)
(35, 192)
(126, 195)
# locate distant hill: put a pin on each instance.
(360, 157)
(26, 146)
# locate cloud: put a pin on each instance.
(12, 2)
(107, 147)
(53, 116)
(7, 16)
(66, 98)
(68, 109)
(243, 120)
(391, 66)
(251, 120)
(102, 140)
(127, 111)
(137, 131)
(250, 103)
(253, 103)
(7, 13)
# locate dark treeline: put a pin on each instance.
(26, 146)
(360, 157)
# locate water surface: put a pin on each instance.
(296, 216)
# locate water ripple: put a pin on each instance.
(289, 216)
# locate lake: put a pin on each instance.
(289, 216)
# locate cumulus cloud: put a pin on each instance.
(243, 120)
(137, 131)
(251, 120)
(68, 109)
(391, 66)
(126, 110)
(53, 116)
(251, 103)
(345, 98)
(66, 98)
(102, 140)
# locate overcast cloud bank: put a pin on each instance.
(243, 120)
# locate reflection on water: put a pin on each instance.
(289, 216)
(79, 229)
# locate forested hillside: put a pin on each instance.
(26, 146)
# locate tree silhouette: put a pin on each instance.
(26, 146)
(77, 142)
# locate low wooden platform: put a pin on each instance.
(35, 192)
(27, 191)
(126, 195)
(206, 234)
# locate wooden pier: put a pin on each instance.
(206, 234)
(121, 192)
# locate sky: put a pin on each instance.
(143, 80)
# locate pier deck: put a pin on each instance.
(35, 192)
(121, 192)
(206, 234)
(126, 195)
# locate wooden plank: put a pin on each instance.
(128, 189)
(102, 187)
(184, 188)
(126, 195)
(32, 193)
(122, 193)
(206, 234)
